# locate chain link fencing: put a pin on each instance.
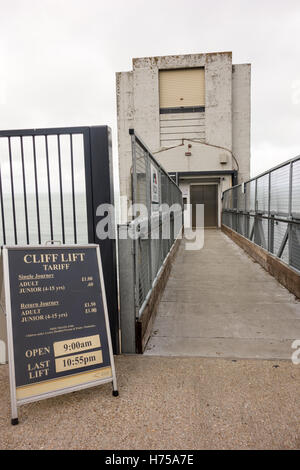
(157, 222)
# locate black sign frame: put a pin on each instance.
(15, 401)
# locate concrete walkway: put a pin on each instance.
(218, 302)
(166, 403)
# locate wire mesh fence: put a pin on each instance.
(266, 210)
(158, 218)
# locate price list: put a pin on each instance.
(59, 328)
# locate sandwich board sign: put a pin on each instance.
(57, 322)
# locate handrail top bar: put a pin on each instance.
(145, 148)
(46, 131)
(280, 165)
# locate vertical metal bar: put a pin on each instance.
(170, 213)
(290, 224)
(272, 217)
(255, 197)
(73, 190)
(49, 188)
(247, 225)
(2, 210)
(235, 209)
(161, 248)
(90, 210)
(12, 191)
(99, 190)
(149, 206)
(270, 228)
(162, 199)
(271, 234)
(136, 239)
(255, 212)
(36, 191)
(290, 189)
(109, 339)
(24, 191)
(10, 344)
(61, 191)
(245, 210)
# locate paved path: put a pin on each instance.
(166, 403)
(218, 302)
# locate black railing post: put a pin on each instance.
(2, 210)
(99, 183)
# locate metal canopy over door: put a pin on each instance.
(206, 194)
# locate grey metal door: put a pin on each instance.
(206, 194)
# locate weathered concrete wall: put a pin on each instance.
(218, 95)
(241, 123)
(146, 104)
(227, 114)
(125, 111)
(203, 158)
(218, 99)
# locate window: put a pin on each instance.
(182, 90)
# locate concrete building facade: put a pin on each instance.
(193, 113)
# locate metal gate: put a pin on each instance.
(51, 183)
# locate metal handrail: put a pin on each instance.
(267, 212)
(280, 165)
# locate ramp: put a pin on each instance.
(218, 302)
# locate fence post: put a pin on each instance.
(127, 290)
(161, 245)
(149, 211)
(101, 191)
(255, 213)
(290, 225)
(136, 238)
(245, 209)
(270, 227)
(146, 267)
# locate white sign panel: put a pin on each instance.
(154, 185)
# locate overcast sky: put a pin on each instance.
(58, 59)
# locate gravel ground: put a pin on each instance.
(167, 403)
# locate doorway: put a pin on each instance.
(206, 194)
